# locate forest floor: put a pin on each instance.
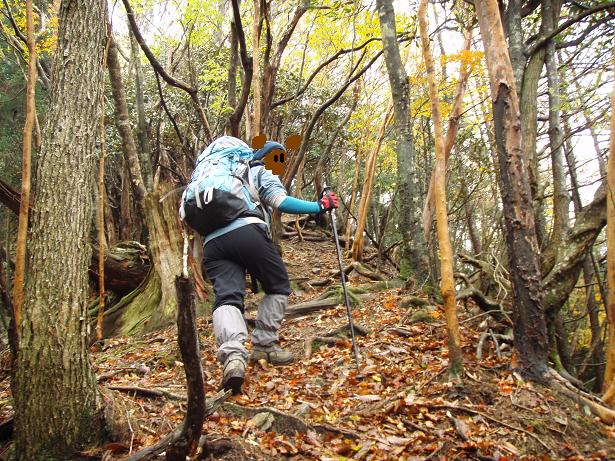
(399, 407)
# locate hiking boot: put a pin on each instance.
(233, 375)
(273, 354)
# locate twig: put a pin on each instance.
(132, 433)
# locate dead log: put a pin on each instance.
(126, 266)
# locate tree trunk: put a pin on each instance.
(529, 320)
(608, 385)
(559, 283)
(529, 132)
(447, 285)
(256, 71)
(561, 200)
(57, 409)
(22, 229)
(353, 196)
(153, 304)
(451, 134)
(145, 149)
(370, 171)
(414, 260)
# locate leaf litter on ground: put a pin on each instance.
(398, 406)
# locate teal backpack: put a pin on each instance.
(221, 187)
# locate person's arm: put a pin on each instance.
(296, 206)
(273, 193)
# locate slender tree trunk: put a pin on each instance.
(145, 149)
(561, 200)
(529, 319)
(353, 196)
(102, 242)
(453, 126)
(57, 409)
(22, 229)
(608, 385)
(529, 133)
(256, 66)
(370, 171)
(414, 262)
(447, 285)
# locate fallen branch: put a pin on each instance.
(344, 329)
(147, 392)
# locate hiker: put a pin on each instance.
(232, 181)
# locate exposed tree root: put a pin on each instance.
(367, 272)
(594, 404)
(284, 423)
(485, 303)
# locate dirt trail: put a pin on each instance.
(399, 407)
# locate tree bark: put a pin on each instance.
(57, 407)
(529, 320)
(155, 302)
(608, 385)
(413, 260)
(447, 284)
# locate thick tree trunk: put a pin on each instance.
(56, 401)
(560, 281)
(414, 260)
(153, 304)
(529, 320)
(447, 285)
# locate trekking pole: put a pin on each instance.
(343, 274)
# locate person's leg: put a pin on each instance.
(267, 266)
(228, 279)
(250, 247)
